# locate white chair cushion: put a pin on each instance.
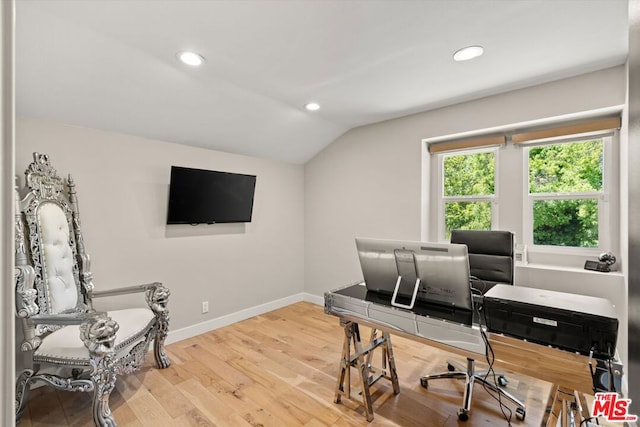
(57, 258)
(65, 343)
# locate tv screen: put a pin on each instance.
(198, 196)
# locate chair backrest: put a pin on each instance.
(490, 256)
(48, 239)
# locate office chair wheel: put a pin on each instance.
(503, 381)
(424, 382)
(450, 367)
(520, 413)
(463, 415)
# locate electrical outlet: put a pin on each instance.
(205, 307)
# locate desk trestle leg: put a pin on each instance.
(361, 357)
(568, 406)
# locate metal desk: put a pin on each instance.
(455, 332)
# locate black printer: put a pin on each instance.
(571, 322)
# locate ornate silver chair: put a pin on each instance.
(69, 344)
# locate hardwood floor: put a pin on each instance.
(279, 369)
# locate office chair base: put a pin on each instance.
(453, 366)
(471, 378)
(463, 415)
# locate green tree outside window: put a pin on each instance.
(561, 170)
(468, 176)
(467, 216)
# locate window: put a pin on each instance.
(558, 192)
(566, 194)
(468, 188)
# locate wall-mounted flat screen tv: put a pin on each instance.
(198, 196)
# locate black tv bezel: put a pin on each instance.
(172, 187)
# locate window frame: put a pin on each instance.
(603, 197)
(510, 204)
(443, 200)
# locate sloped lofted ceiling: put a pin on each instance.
(111, 64)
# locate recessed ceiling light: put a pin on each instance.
(467, 53)
(191, 58)
(312, 106)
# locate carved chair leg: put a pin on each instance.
(98, 335)
(162, 360)
(22, 391)
(158, 298)
(104, 381)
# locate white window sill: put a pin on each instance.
(550, 267)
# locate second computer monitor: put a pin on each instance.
(443, 270)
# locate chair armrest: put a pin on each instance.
(97, 331)
(126, 290)
(64, 319)
(156, 294)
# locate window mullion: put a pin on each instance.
(483, 198)
(566, 196)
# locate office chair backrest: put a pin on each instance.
(490, 256)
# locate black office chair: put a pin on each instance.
(490, 262)
(490, 256)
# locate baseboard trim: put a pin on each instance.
(228, 319)
(315, 299)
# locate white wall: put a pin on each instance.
(7, 271)
(368, 182)
(122, 183)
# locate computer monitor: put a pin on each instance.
(442, 270)
(378, 263)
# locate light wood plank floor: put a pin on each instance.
(279, 369)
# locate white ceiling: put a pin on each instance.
(111, 64)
